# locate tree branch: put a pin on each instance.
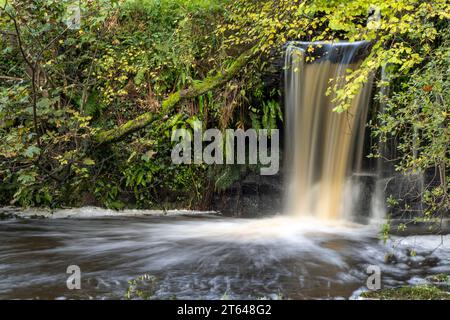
(197, 89)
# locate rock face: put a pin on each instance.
(364, 193)
(408, 190)
(257, 195)
(253, 196)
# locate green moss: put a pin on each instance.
(425, 292)
(438, 278)
(199, 88)
(171, 101)
(142, 288)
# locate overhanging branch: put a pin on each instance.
(197, 89)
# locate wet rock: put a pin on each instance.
(8, 212)
(16, 212)
(440, 280)
(390, 258)
(430, 261)
(254, 196)
(420, 261)
(363, 190)
(95, 212)
(143, 287)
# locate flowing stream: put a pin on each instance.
(312, 251)
(205, 257)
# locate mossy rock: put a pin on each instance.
(438, 278)
(142, 288)
(425, 292)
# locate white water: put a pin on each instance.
(324, 147)
(205, 256)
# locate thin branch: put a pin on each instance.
(197, 89)
(11, 78)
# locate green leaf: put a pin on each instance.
(31, 151)
(88, 162)
(25, 178)
(43, 103)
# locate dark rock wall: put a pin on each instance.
(253, 196)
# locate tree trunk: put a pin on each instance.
(197, 89)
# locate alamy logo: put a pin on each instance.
(230, 149)
(73, 20)
(74, 280)
(374, 280)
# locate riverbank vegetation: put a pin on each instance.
(86, 113)
(425, 292)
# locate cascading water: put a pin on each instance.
(324, 147)
(191, 255)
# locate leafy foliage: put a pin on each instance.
(402, 35)
(417, 117)
(60, 87)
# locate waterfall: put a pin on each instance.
(323, 147)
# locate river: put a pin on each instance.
(204, 256)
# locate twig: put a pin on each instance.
(11, 78)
